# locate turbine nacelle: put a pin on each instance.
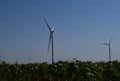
(52, 30)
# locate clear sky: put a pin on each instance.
(80, 25)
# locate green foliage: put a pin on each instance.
(61, 71)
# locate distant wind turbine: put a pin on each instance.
(51, 30)
(109, 46)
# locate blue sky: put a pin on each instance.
(80, 25)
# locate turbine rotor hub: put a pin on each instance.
(52, 30)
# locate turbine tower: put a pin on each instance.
(109, 46)
(51, 30)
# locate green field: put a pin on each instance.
(61, 71)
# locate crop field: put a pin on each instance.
(61, 71)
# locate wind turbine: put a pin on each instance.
(109, 46)
(51, 30)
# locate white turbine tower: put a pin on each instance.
(109, 47)
(51, 30)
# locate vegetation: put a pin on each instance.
(61, 71)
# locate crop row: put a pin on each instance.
(61, 71)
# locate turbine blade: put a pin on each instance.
(47, 24)
(110, 39)
(49, 42)
(103, 44)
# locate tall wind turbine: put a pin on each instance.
(109, 46)
(51, 30)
